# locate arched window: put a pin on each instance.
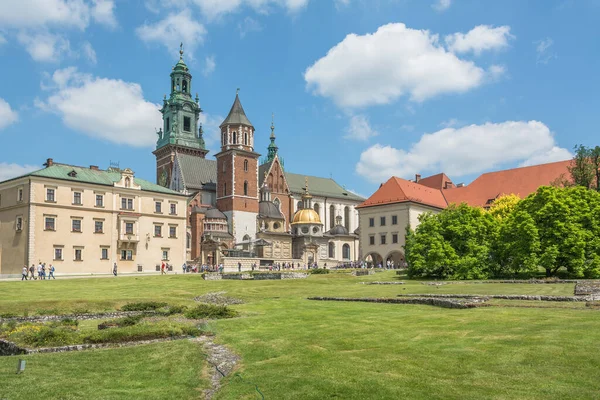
(224, 166)
(188, 240)
(246, 240)
(184, 86)
(224, 138)
(331, 216)
(277, 203)
(234, 138)
(245, 137)
(331, 250)
(299, 205)
(245, 188)
(281, 183)
(347, 218)
(317, 208)
(246, 165)
(127, 182)
(178, 86)
(225, 189)
(346, 251)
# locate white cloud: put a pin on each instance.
(108, 109)
(496, 71)
(103, 12)
(441, 5)
(2, 39)
(360, 129)
(479, 39)
(341, 3)
(249, 25)
(7, 114)
(45, 47)
(217, 8)
(209, 65)
(212, 132)
(89, 52)
(172, 30)
(8, 171)
(38, 13)
(544, 51)
(380, 67)
(554, 154)
(466, 150)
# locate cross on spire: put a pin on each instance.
(181, 51)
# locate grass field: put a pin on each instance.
(293, 348)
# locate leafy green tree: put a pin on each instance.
(516, 247)
(503, 206)
(581, 168)
(595, 160)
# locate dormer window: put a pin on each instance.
(72, 174)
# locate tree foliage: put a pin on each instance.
(582, 166)
(554, 229)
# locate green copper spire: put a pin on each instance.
(272, 148)
(180, 111)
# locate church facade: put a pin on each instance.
(242, 206)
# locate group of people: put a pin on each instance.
(202, 268)
(39, 272)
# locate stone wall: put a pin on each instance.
(362, 272)
(257, 277)
(80, 317)
(499, 296)
(10, 349)
(444, 303)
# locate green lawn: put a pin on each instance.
(293, 348)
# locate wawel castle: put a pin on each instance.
(237, 208)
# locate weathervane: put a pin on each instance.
(181, 51)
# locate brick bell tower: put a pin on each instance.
(237, 174)
(181, 132)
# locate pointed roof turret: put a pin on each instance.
(236, 116)
(272, 148)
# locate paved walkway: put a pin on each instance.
(120, 275)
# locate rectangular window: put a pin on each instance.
(187, 124)
(383, 239)
(165, 254)
(78, 255)
(371, 222)
(173, 208)
(129, 228)
(126, 204)
(157, 231)
(104, 253)
(76, 225)
(158, 207)
(58, 256)
(172, 231)
(99, 200)
(382, 221)
(98, 226)
(50, 195)
(372, 240)
(394, 238)
(394, 220)
(49, 224)
(20, 194)
(126, 255)
(77, 198)
(19, 224)
(168, 125)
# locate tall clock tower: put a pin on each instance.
(180, 132)
(237, 174)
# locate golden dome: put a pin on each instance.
(306, 216)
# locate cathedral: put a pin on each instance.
(242, 207)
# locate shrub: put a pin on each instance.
(210, 311)
(141, 332)
(143, 306)
(8, 315)
(319, 271)
(175, 310)
(43, 335)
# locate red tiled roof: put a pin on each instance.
(397, 190)
(437, 181)
(520, 181)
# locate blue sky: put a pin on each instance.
(361, 90)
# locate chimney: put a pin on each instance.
(49, 162)
(94, 167)
(448, 185)
(417, 178)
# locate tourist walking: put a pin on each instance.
(39, 270)
(162, 269)
(25, 273)
(184, 268)
(51, 272)
(32, 272)
(115, 269)
(239, 267)
(44, 271)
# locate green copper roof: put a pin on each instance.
(237, 116)
(323, 187)
(98, 177)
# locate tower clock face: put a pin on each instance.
(163, 178)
